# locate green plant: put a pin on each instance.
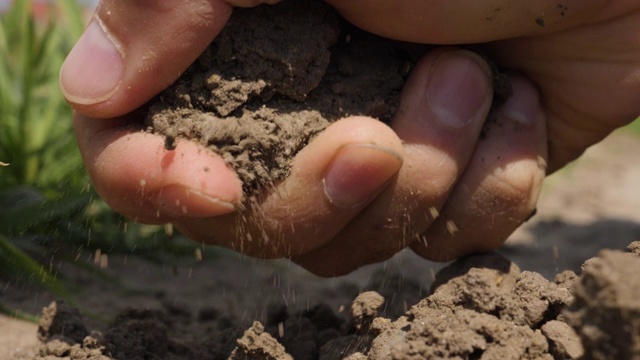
(41, 176)
(46, 202)
(36, 136)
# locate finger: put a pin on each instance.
(500, 187)
(138, 177)
(464, 21)
(332, 179)
(133, 49)
(443, 107)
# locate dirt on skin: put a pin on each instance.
(481, 307)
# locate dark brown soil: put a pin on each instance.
(274, 78)
(481, 307)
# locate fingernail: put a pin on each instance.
(458, 87)
(93, 69)
(358, 172)
(524, 105)
(179, 201)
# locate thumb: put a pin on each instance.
(132, 49)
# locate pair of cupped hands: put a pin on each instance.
(441, 179)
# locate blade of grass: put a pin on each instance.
(14, 261)
(35, 126)
(15, 15)
(6, 86)
(72, 13)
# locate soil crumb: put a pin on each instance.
(365, 307)
(606, 312)
(61, 320)
(274, 78)
(256, 344)
(481, 307)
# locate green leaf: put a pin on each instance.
(36, 134)
(72, 12)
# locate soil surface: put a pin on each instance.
(482, 306)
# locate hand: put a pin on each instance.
(360, 192)
(582, 56)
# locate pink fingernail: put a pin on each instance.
(524, 105)
(357, 172)
(93, 69)
(458, 87)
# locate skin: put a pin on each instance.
(362, 191)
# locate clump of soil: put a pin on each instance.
(278, 75)
(59, 319)
(274, 78)
(481, 307)
(259, 345)
(606, 312)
